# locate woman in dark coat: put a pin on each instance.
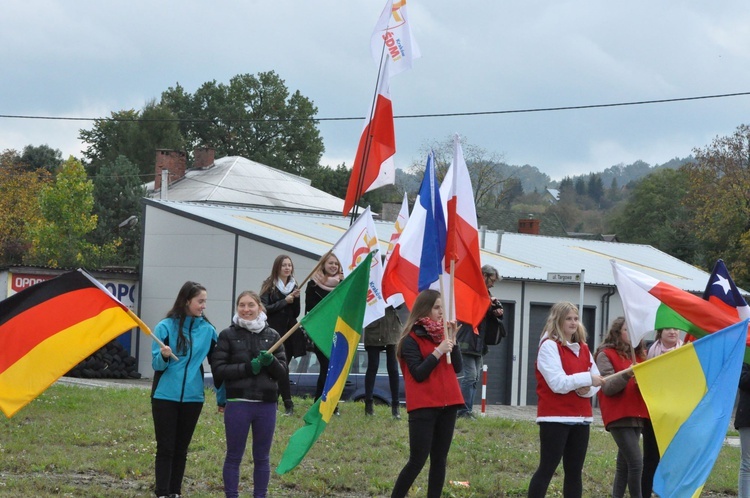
(280, 296)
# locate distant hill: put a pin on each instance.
(534, 180)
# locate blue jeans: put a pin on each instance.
(239, 416)
(468, 378)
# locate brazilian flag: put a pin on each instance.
(335, 326)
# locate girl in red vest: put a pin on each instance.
(567, 378)
(623, 410)
(433, 395)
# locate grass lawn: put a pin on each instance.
(84, 442)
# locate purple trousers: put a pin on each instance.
(239, 417)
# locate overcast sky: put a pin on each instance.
(88, 58)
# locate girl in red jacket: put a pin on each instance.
(566, 379)
(433, 395)
(623, 410)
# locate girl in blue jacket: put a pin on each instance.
(177, 393)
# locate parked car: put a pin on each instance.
(303, 377)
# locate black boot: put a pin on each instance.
(394, 411)
(368, 408)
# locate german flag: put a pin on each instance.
(49, 328)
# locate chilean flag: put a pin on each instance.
(722, 292)
(417, 260)
(462, 246)
(377, 145)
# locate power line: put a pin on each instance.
(403, 116)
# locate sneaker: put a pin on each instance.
(468, 415)
(395, 413)
(336, 411)
(289, 412)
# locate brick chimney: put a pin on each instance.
(529, 225)
(203, 157)
(173, 161)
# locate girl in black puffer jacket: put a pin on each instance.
(250, 374)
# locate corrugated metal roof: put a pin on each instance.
(236, 180)
(521, 256)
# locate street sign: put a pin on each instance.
(570, 278)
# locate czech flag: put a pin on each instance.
(417, 260)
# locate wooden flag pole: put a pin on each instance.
(147, 330)
(284, 338)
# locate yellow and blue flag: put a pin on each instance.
(691, 418)
(335, 326)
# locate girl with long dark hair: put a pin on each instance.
(433, 395)
(177, 394)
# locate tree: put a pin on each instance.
(333, 181)
(19, 205)
(133, 134)
(486, 178)
(59, 236)
(512, 190)
(596, 188)
(117, 197)
(580, 186)
(41, 157)
(655, 215)
(254, 117)
(720, 196)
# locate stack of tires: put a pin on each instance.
(110, 362)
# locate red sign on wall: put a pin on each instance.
(20, 281)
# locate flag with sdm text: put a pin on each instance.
(335, 326)
(50, 327)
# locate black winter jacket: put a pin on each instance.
(230, 363)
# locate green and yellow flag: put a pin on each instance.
(334, 325)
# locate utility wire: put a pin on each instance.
(403, 116)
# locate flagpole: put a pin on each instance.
(445, 318)
(368, 142)
(147, 330)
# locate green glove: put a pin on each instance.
(255, 365)
(266, 358)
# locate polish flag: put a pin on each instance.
(417, 261)
(373, 165)
(462, 245)
(397, 300)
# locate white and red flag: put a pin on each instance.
(401, 220)
(392, 38)
(373, 165)
(351, 249)
(462, 244)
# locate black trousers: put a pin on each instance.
(430, 434)
(564, 442)
(174, 423)
(373, 363)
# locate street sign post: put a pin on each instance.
(570, 278)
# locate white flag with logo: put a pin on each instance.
(351, 249)
(392, 38)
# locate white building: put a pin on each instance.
(230, 248)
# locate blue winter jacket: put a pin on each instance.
(182, 380)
